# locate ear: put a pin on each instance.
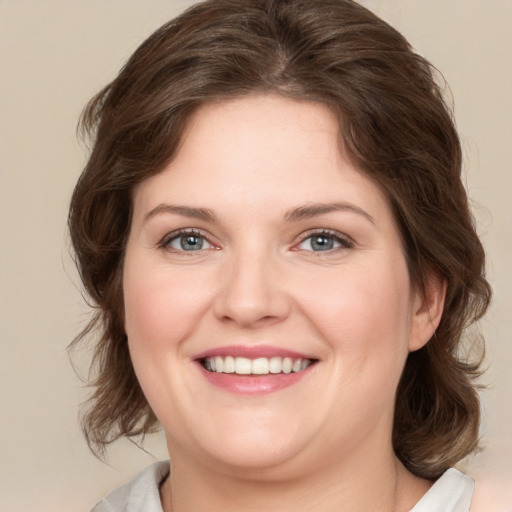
(427, 310)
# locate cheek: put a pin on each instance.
(364, 312)
(162, 310)
(161, 307)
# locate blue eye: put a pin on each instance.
(188, 241)
(319, 242)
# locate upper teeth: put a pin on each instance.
(259, 366)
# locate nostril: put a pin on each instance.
(248, 321)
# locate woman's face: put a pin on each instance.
(260, 248)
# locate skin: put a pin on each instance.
(323, 443)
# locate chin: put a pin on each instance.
(248, 443)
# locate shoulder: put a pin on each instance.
(491, 469)
(493, 494)
(142, 491)
(452, 492)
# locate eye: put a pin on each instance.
(324, 241)
(186, 240)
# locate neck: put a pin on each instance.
(380, 484)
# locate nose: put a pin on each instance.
(252, 293)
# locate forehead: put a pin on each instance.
(248, 129)
(260, 150)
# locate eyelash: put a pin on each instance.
(344, 241)
(175, 235)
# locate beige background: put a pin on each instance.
(53, 56)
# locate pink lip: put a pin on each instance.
(253, 384)
(251, 352)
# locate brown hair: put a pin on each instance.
(394, 124)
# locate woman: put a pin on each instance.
(273, 227)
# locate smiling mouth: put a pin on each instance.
(257, 366)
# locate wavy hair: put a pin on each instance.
(395, 125)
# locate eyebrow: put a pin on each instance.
(313, 210)
(294, 215)
(186, 211)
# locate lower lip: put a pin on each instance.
(253, 384)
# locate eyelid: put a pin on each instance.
(346, 241)
(167, 238)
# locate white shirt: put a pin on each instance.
(450, 493)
